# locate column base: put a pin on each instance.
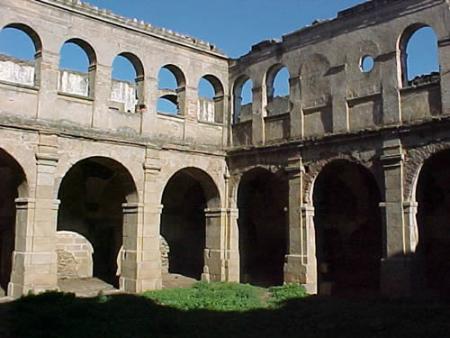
(214, 269)
(296, 271)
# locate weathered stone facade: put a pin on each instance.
(320, 188)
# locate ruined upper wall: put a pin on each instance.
(330, 94)
(133, 24)
(93, 100)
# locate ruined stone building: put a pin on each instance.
(343, 185)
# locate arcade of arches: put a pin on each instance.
(94, 228)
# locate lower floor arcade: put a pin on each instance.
(333, 227)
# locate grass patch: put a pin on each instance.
(281, 294)
(211, 296)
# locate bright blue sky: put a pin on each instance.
(233, 25)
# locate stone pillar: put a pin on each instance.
(395, 265)
(444, 61)
(25, 208)
(232, 264)
(191, 114)
(296, 115)
(130, 246)
(148, 260)
(300, 264)
(149, 114)
(214, 269)
(258, 129)
(339, 104)
(390, 88)
(34, 257)
(102, 95)
(232, 237)
(226, 134)
(48, 85)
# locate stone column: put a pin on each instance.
(395, 265)
(339, 104)
(25, 208)
(215, 250)
(232, 237)
(296, 115)
(48, 85)
(191, 114)
(390, 88)
(232, 264)
(258, 128)
(149, 114)
(102, 95)
(444, 61)
(148, 255)
(226, 134)
(130, 247)
(300, 264)
(34, 257)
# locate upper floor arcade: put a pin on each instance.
(174, 89)
(347, 75)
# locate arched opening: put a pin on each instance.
(418, 67)
(20, 55)
(12, 185)
(242, 100)
(172, 90)
(263, 198)
(183, 223)
(277, 89)
(433, 215)
(127, 90)
(348, 229)
(92, 194)
(77, 68)
(211, 99)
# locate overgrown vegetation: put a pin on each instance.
(220, 310)
(212, 296)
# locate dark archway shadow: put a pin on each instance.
(128, 316)
(92, 194)
(348, 229)
(262, 202)
(432, 258)
(187, 194)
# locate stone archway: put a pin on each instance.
(93, 194)
(187, 194)
(12, 185)
(262, 203)
(348, 229)
(433, 220)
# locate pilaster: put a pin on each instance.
(34, 257)
(396, 264)
(215, 250)
(258, 129)
(300, 263)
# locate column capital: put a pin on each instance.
(306, 208)
(25, 203)
(295, 166)
(152, 160)
(392, 153)
(132, 208)
(215, 212)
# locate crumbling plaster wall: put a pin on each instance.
(330, 94)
